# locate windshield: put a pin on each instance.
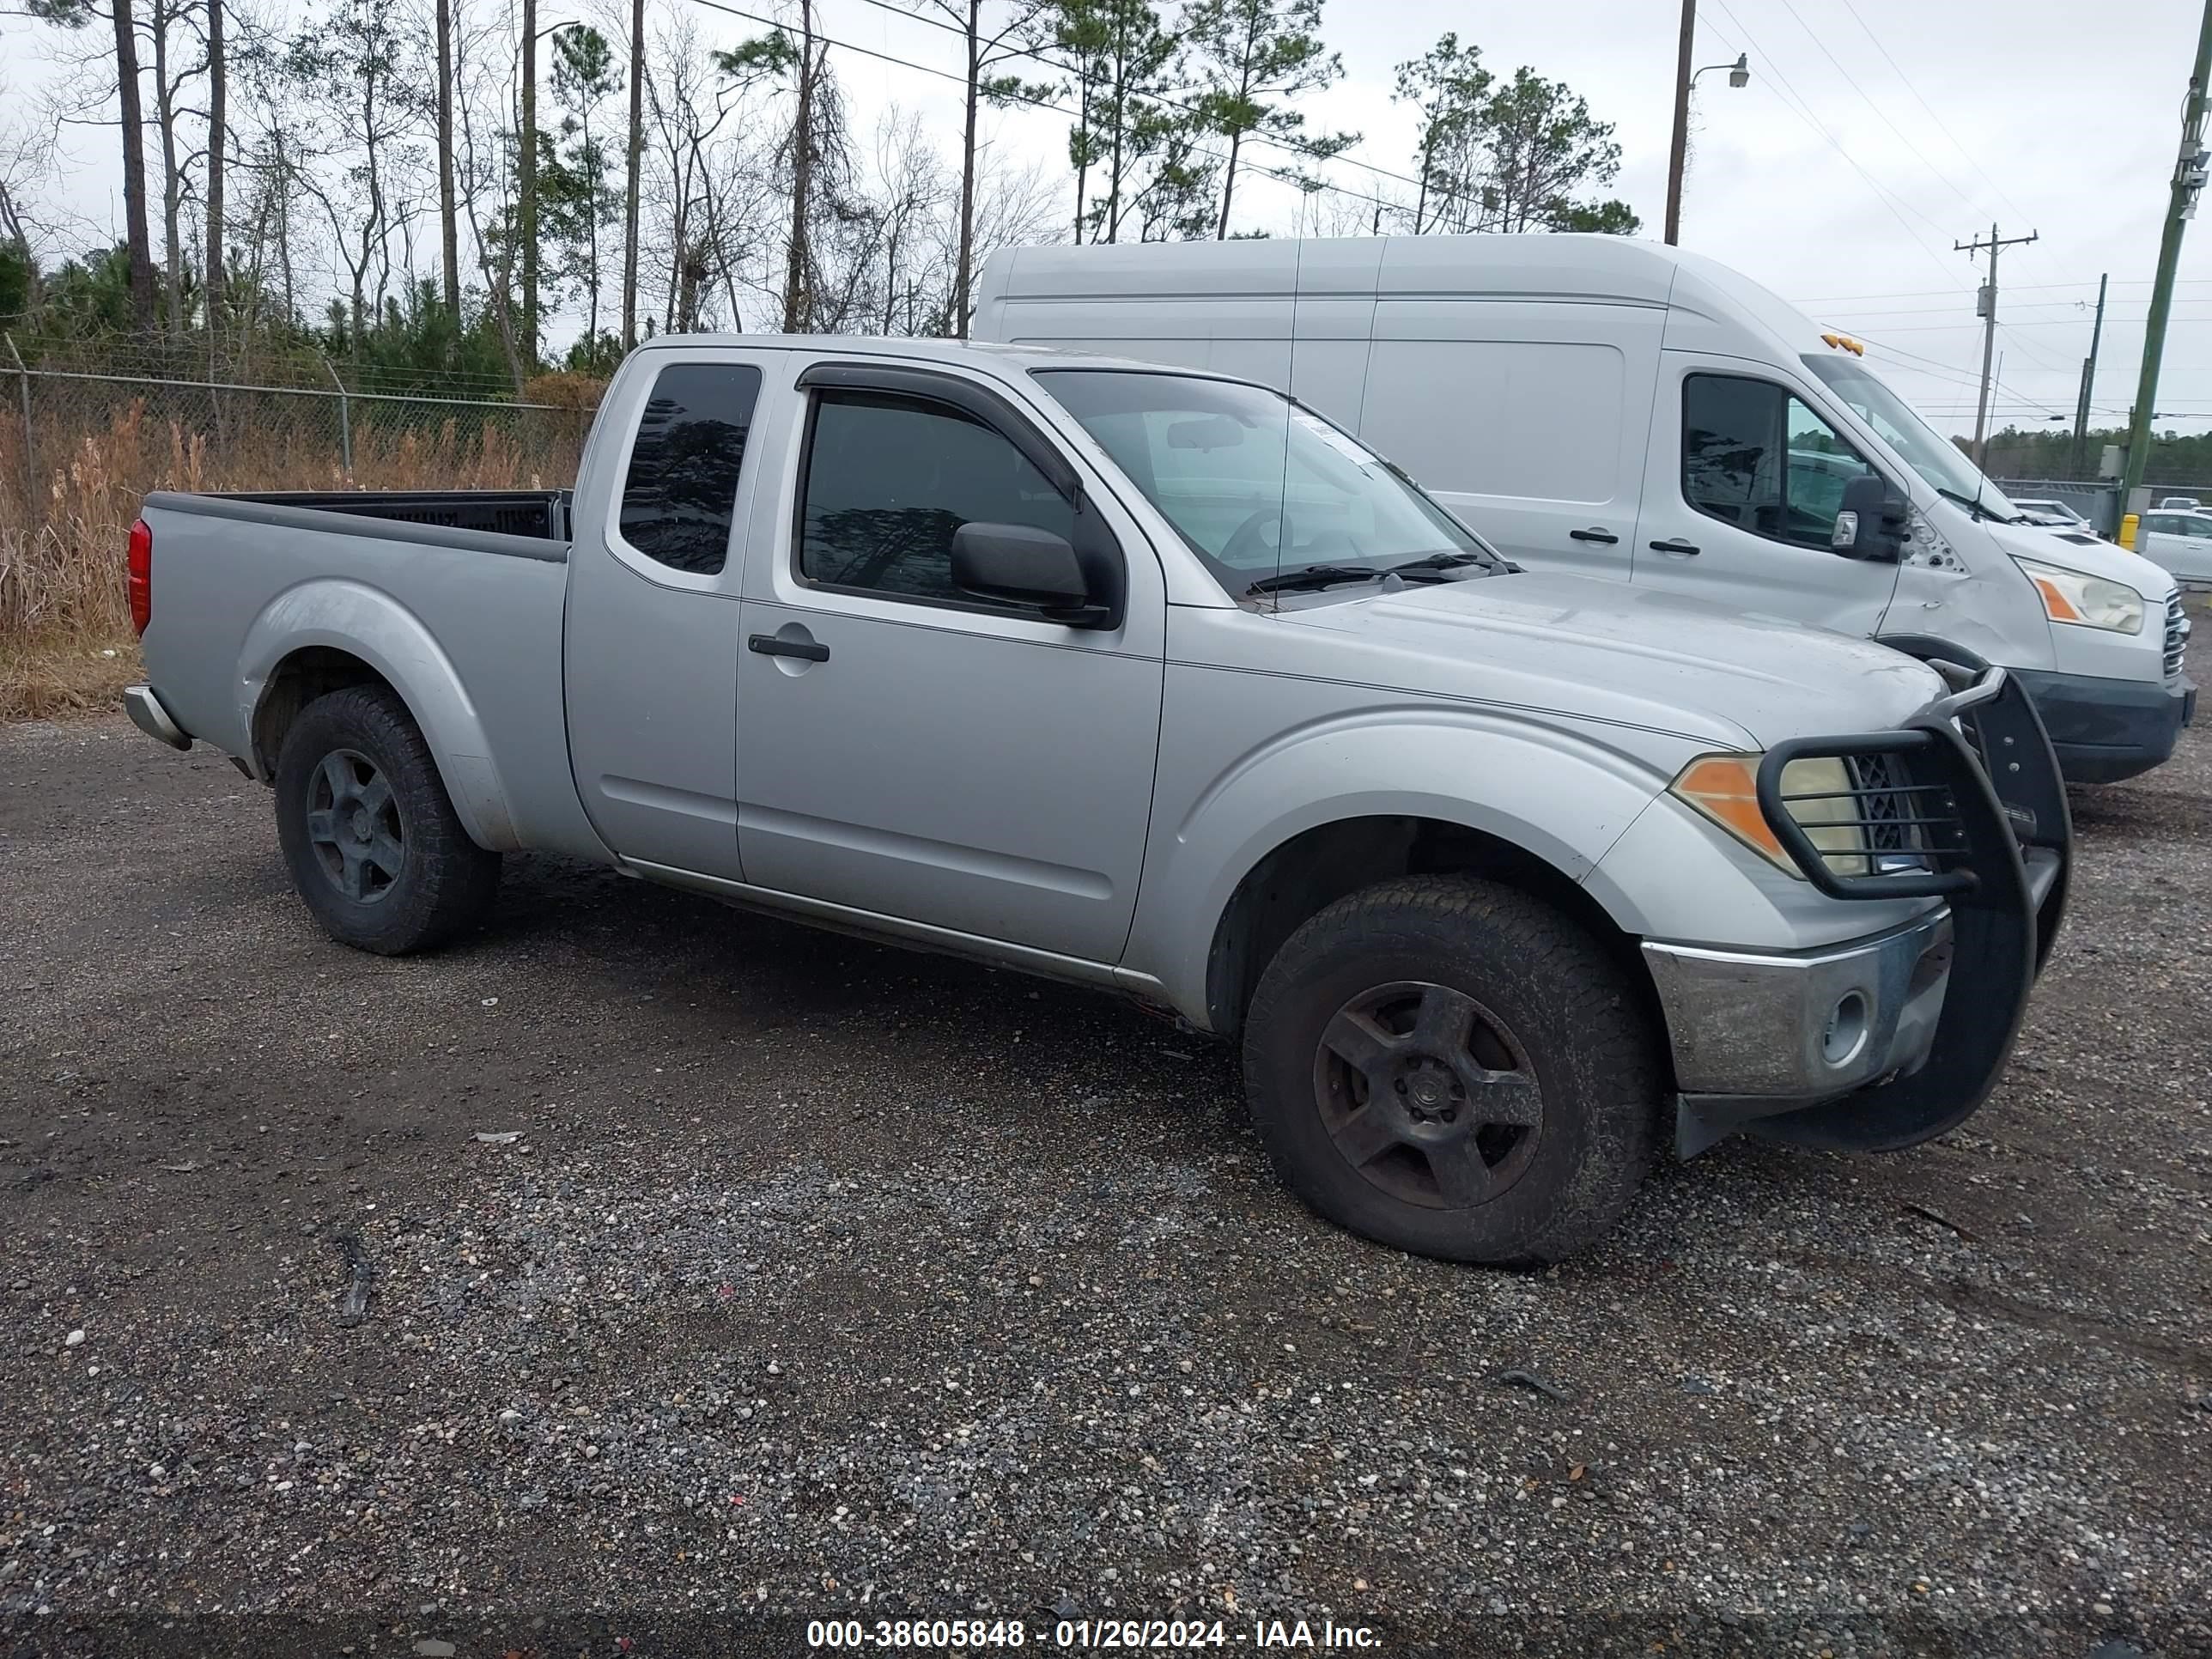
(1939, 462)
(1257, 487)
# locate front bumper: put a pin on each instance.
(1779, 1031)
(1863, 1046)
(2106, 730)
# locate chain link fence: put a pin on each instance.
(202, 434)
(81, 445)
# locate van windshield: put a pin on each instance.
(1263, 491)
(1941, 463)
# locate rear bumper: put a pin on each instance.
(2105, 730)
(148, 714)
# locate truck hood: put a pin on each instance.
(2086, 553)
(1605, 651)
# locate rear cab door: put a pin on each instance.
(650, 630)
(1744, 479)
(905, 749)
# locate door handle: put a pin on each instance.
(769, 646)
(1677, 546)
(1593, 534)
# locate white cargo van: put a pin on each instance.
(1632, 411)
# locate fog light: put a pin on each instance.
(1846, 1031)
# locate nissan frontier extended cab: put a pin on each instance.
(1155, 681)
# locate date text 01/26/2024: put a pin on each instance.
(1124, 1634)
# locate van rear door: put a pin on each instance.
(1528, 418)
(1741, 497)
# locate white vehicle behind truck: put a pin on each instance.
(1643, 415)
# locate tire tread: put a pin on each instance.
(1531, 943)
(451, 881)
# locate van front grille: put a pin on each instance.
(2177, 634)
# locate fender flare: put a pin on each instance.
(1521, 775)
(367, 624)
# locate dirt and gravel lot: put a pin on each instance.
(814, 1278)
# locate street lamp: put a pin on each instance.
(1739, 71)
(1739, 74)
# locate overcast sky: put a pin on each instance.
(1874, 135)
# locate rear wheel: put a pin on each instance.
(371, 841)
(1454, 1068)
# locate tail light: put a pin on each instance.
(141, 583)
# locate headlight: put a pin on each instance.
(2085, 601)
(1725, 788)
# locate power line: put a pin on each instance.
(1942, 177)
(1804, 113)
(1314, 153)
(2033, 356)
(2032, 322)
(1845, 307)
(1906, 81)
(781, 28)
(1945, 293)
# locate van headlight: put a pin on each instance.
(2068, 596)
(1817, 791)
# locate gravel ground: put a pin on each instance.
(810, 1278)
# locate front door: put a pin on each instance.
(650, 637)
(1744, 482)
(910, 752)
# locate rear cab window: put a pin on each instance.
(680, 491)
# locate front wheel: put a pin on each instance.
(1451, 1067)
(373, 842)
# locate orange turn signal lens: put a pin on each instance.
(2056, 605)
(1725, 788)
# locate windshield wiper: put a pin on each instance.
(1440, 561)
(1314, 575)
(1975, 505)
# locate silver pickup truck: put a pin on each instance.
(1155, 681)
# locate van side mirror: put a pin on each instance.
(1019, 564)
(1871, 523)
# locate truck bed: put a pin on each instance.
(542, 514)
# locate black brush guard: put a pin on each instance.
(1982, 792)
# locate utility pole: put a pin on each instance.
(1985, 304)
(2088, 379)
(631, 185)
(2181, 207)
(527, 186)
(1679, 154)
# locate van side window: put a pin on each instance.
(682, 488)
(889, 479)
(1755, 457)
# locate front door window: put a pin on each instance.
(1755, 457)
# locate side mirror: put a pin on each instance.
(1019, 564)
(1871, 523)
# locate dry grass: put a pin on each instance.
(65, 638)
(52, 675)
